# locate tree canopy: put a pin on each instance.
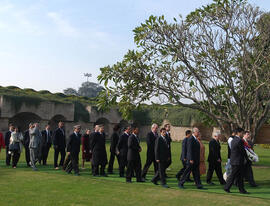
(217, 58)
(87, 89)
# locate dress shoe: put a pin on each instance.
(180, 186)
(77, 174)
(210, 183)
(154, 182)
(104, 175)
(253, 185)
(141, 180)
(200, 187)
(128, 181)
(165, 186)
(189, 180)
(244, 192)
(227, 190)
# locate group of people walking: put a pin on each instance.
(126, 149)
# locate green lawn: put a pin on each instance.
(22, 186)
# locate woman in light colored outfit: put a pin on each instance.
(16, 139)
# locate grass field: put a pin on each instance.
(22, 186)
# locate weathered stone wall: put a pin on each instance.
(46, 111)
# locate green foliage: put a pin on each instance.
(87, 89)
(17, 101)
(177, 115)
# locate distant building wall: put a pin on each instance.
(52, 112)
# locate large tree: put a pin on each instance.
(87, 89)
(217, 58)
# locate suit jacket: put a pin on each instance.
(59, 138)
(74, 143)
(238, 153)
(133, 148)
(35, 138)
(184, 149)
(26, 139)
(7, 138)
(150, 140)
(162, 152)
(169, 140)
(122, 145)
(46, 140)
(114, 141)
(214, 151)
(193, 150)
(98, 149)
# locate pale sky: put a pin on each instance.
(49, 44)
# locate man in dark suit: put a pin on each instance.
(26, 141)
(122, 150)
(162, 156)
(114, 142)
(73, 150)
(214, 160)
(46, 143)
(7, 141)
(169, 140)
(150, 157)
(133, 156)
(98, 148)
(193, 160)
(183, 157)
(238, 157)
(59, 143)
(248, 166)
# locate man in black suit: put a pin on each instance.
(59, 143)
(46, 143)
(162, 156)
(26, 141)
(73, 150)
(183, 157)
(133, 156)
(248, 166)
(122, 150)
(238, 157)
(193, 160)
(214, 160)
(150, 158)
(91, 137)
(114, 142)
(7, 142)
(169, 140)
(98, 148)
